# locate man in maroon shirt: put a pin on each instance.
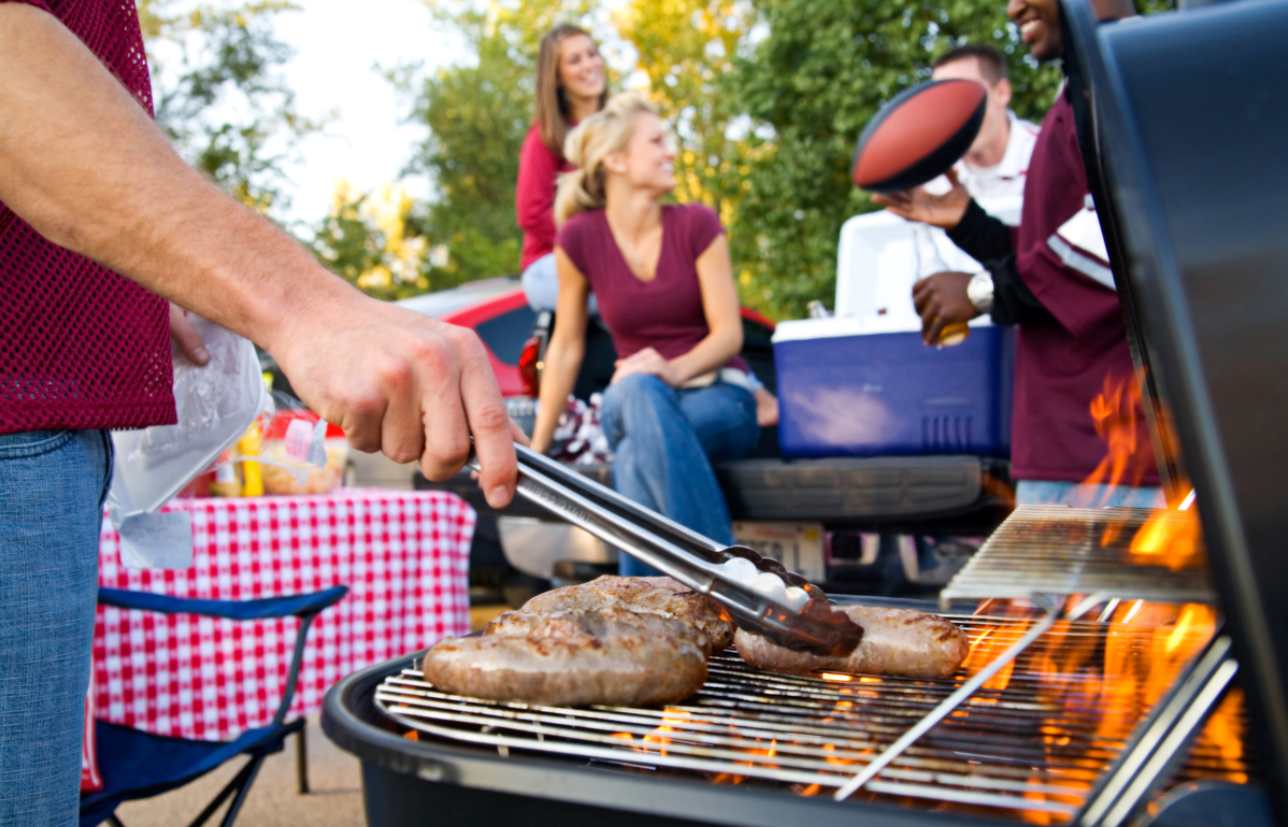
(1051, 279)
(89, 189)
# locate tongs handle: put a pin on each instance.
(765, 605)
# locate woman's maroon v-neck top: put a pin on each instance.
(664, 313)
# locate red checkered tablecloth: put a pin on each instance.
(404, 556)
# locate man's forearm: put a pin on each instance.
(982, 236)
(82, 162)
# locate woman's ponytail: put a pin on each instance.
(586, 147)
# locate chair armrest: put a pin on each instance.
(303, 606)
(259, 609)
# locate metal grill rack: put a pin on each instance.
(1056, 550)
(1031, 739)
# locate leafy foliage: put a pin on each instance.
(810, 86)
(370, 240)
(767, 98)
(476, 116)
(685, 49)
(219, 93)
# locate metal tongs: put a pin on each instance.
(761, 595)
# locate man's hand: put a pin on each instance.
(647, 360)
(405, 385)
(185, 336)
(916, 204)
(941, 300)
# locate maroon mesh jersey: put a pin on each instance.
(1062, 364)
(80, 346)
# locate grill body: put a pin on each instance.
(1033, 743)
(1188, 139)
(405, 782)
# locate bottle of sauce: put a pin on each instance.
(252, 473)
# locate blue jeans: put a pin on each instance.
(663, 442)
(1047, 492)
(52, 485)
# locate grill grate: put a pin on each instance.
(1032, 739)
(1057, 550)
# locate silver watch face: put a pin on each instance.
(980, 292)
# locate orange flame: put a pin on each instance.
(726, 778)
(1099, 681)
(1113, 411)
(1173, 538)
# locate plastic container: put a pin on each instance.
(252, 474)
(852, 388)
(215, 404)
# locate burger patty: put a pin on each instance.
(648, 595)
(572, 658)
(895, 642)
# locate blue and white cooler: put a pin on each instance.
(862, 383)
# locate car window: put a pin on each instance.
(505, 334)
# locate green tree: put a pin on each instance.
(370, 240)
(220, 95)
(686, 48)
(810, 86)
(476, 115)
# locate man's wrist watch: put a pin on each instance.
(979, 290)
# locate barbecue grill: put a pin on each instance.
(1082, 703)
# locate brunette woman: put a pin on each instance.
(570, 88)
(680, 396)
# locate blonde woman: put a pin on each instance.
(679, 397)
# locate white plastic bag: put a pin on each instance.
(216, 403)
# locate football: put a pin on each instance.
(918, 135)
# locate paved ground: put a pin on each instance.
(334, 775)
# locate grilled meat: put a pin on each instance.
(651, 595)
(570, 658)
(895, 642)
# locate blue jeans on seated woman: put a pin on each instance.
(664, 440)
(52, 485)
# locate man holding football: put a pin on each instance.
(1051, 279)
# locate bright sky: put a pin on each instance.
(341, 48)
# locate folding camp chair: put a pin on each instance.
(140, 765)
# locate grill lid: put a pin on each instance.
(1187, 137)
